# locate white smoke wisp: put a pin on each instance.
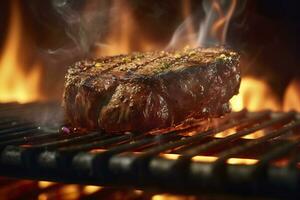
(212, 29)
(182, 36)
(85, 25)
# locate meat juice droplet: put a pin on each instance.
(65, 130)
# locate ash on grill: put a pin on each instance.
(242, 153)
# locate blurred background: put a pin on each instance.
(40, 39)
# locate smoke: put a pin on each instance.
(85, 24)
(182, 36)
(75, 29)
(215, 26)
(212, 29)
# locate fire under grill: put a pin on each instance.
(253, 153)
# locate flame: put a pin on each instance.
(255, 95)
(206, 159)
(291, 99)
(241, 161)
(209, 159)
(15, 84)
(218, 29)
(171, 197)
(170, 156)
(71, 191)
(90, 189)
(45, 184)
(212, 30)
(231, 161)
(42, 196)
(125, 34)
(255, 135)
(98, 150)
(226, 133)
(231, 131)
(118, 38)
(138, 192)
(186, 11)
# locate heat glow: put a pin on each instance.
(15, 83)
(125, 36)
(255, 95)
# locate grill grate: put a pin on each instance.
(253, 153)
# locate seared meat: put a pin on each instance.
(145, 91)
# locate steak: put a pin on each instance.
(152, 90)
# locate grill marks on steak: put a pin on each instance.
(144, 91)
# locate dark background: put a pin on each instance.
(266, 32)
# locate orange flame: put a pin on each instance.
(186, 11)
(45, 184)
(171, 197)
(255, 95)
(15, 84)
(124, 35)
(291, 99)
(219, 28)
(118, 39)
(208, 159)
(90, 189)
(242, 161)
(226, 133)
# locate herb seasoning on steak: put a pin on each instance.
(145, 91)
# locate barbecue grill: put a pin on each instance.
(253, 153)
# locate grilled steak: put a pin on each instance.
(144, 91)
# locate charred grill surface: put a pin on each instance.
(144, 91)
(242, 153)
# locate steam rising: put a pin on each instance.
(84, 26)
(212, 29)
(182, 36)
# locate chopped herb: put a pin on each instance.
(126, 59)
(177, 55)
(98, 65)
(165, 65)
(192, 53)
(223, 58)
(138, 56)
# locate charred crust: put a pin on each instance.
(143, 91)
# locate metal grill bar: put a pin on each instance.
(174, 160)
(197, 150)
